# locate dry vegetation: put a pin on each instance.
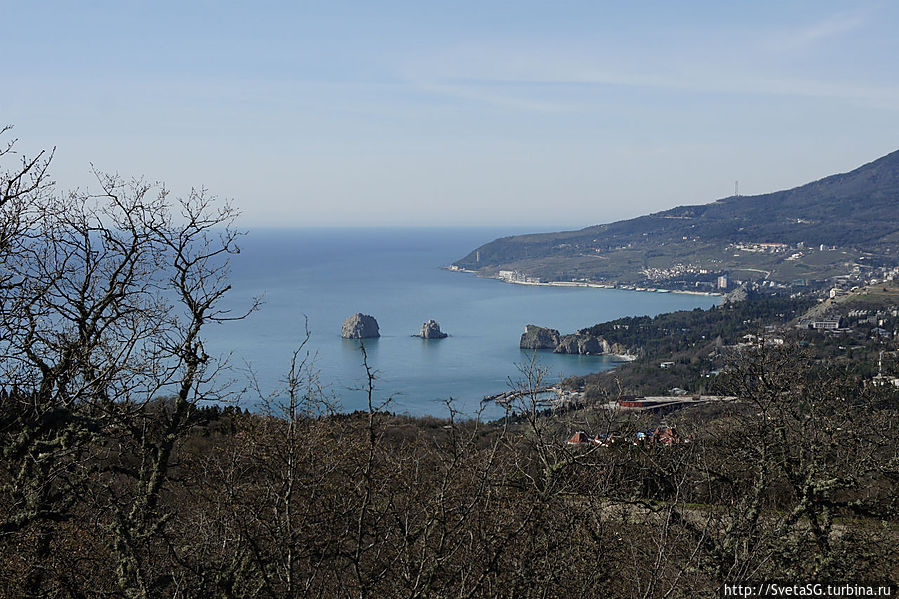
(116, 480)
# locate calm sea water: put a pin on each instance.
(396, 275)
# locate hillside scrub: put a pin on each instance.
(125, 471)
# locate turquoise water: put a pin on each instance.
(396, 275)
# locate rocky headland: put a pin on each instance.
(360, 326)
(581, 342)
(535, 337)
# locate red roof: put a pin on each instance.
(578, 437)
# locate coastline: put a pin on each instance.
(587, 284)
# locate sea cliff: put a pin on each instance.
(582, 343)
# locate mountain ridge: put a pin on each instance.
(856, 210)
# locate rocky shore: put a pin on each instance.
(581, 343)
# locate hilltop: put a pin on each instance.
(838, 225)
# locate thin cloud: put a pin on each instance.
(815, 33)
(536, 94)
(482, 94)
(567, 76)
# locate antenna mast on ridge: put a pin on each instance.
(736, 189)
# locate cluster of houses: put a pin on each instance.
(827, 323)
(769, 248)
(665, 436)
(863, 274)
(881, 379)
(885, 380)
(677, 269)
(881, 321)
(514, 276)
(878, 318)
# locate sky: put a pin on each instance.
(515, 113)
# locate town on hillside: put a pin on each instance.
(684, 360)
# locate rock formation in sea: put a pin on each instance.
(431, 330)
(360, 326)
(535, 337)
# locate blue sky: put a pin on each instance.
(539, 114)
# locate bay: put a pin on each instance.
(323, 275)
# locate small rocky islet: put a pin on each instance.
(365, 326)
(431, 330)
(360, 326)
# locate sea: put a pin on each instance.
(311, 279)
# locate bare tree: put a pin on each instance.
(104, 301)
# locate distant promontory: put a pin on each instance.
(842, 227)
